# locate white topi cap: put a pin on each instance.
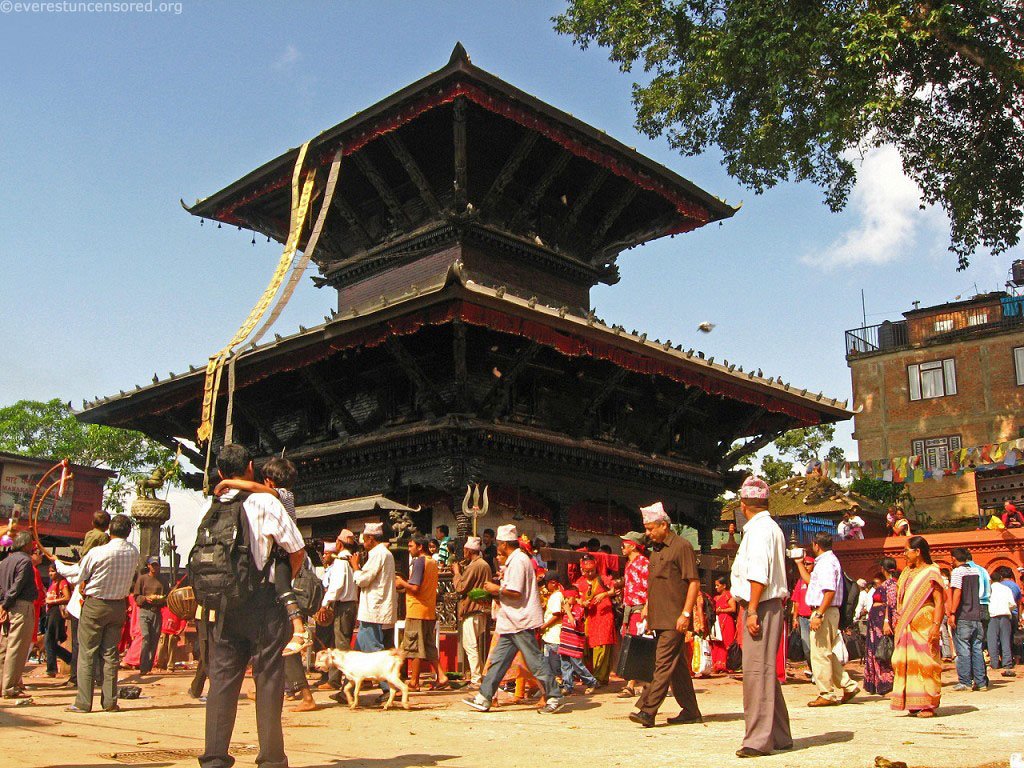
(374, 529)
(474, 543)
(654, 513)
(507, 533)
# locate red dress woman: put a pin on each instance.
(725, 609)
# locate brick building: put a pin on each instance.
(943, 378)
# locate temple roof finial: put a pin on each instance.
(459, 54)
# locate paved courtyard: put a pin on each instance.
(165, 728)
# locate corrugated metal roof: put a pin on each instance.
(349, 506)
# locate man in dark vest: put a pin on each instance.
(672, 590)
(256, 629)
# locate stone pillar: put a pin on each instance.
(150, 515)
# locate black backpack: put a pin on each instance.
(851, 596)
(308, 589)
(220, 565)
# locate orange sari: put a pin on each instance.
(916, 664)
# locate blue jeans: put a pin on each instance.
(1000, 640)
(573, 668)
(370, 638)
(970, 660)
(553, 659)
(501, 659)
(805, 637)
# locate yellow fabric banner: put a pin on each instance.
(300, 209)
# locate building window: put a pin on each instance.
(933, 379)
(1018, 364)
(935, 451)
(946, 324)
(978, 319)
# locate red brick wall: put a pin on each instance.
(989, 549)
(988, 407)
(526, 279)
(396, 280)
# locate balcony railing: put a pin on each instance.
(892, 335)
(876, 338)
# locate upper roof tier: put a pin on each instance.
(463, 148)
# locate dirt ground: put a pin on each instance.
(165, 728)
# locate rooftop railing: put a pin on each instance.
(876, 338)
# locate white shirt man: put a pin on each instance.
(519, 615)
(759, 584)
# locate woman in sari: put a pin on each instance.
(917, 669)
(881, 620)
(725, 610)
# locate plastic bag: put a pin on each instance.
(839, 649)
(716, 630)
(701, 660)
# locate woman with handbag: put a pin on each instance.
(878, 673)
(725, 611)
(57, 598)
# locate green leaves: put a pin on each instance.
(50, 429)
(786, 88)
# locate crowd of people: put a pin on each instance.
(548, 631)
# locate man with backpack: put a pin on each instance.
(826, 591)
(232, 580)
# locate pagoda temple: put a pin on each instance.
(469, 223)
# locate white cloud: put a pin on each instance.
(287, 58)
(885, 204)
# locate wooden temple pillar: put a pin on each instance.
(560, 522)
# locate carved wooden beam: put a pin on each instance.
(259, 422)
(352, 219)
(658, 227)
(414, 372)
(686, 405)
(613, 213)
(728, 461)
(197, 459)
(508, 171)
(334, 404)
(498, 396)
(369, 170)
(609, 386)
(398, 149)
(461, 162)
(529, 206)
(581, 201)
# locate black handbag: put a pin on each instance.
(795, 647)
(734, 658)
(636, 658)
(884, 647)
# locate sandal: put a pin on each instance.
(300, 641)
(926, 713)
(626, 693)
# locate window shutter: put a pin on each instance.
(954, 443)
(918, 447)
(914, 376)
(949, 374)
(1018, 362)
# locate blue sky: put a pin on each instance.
(107, 119)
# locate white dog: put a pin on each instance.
(358, 666)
